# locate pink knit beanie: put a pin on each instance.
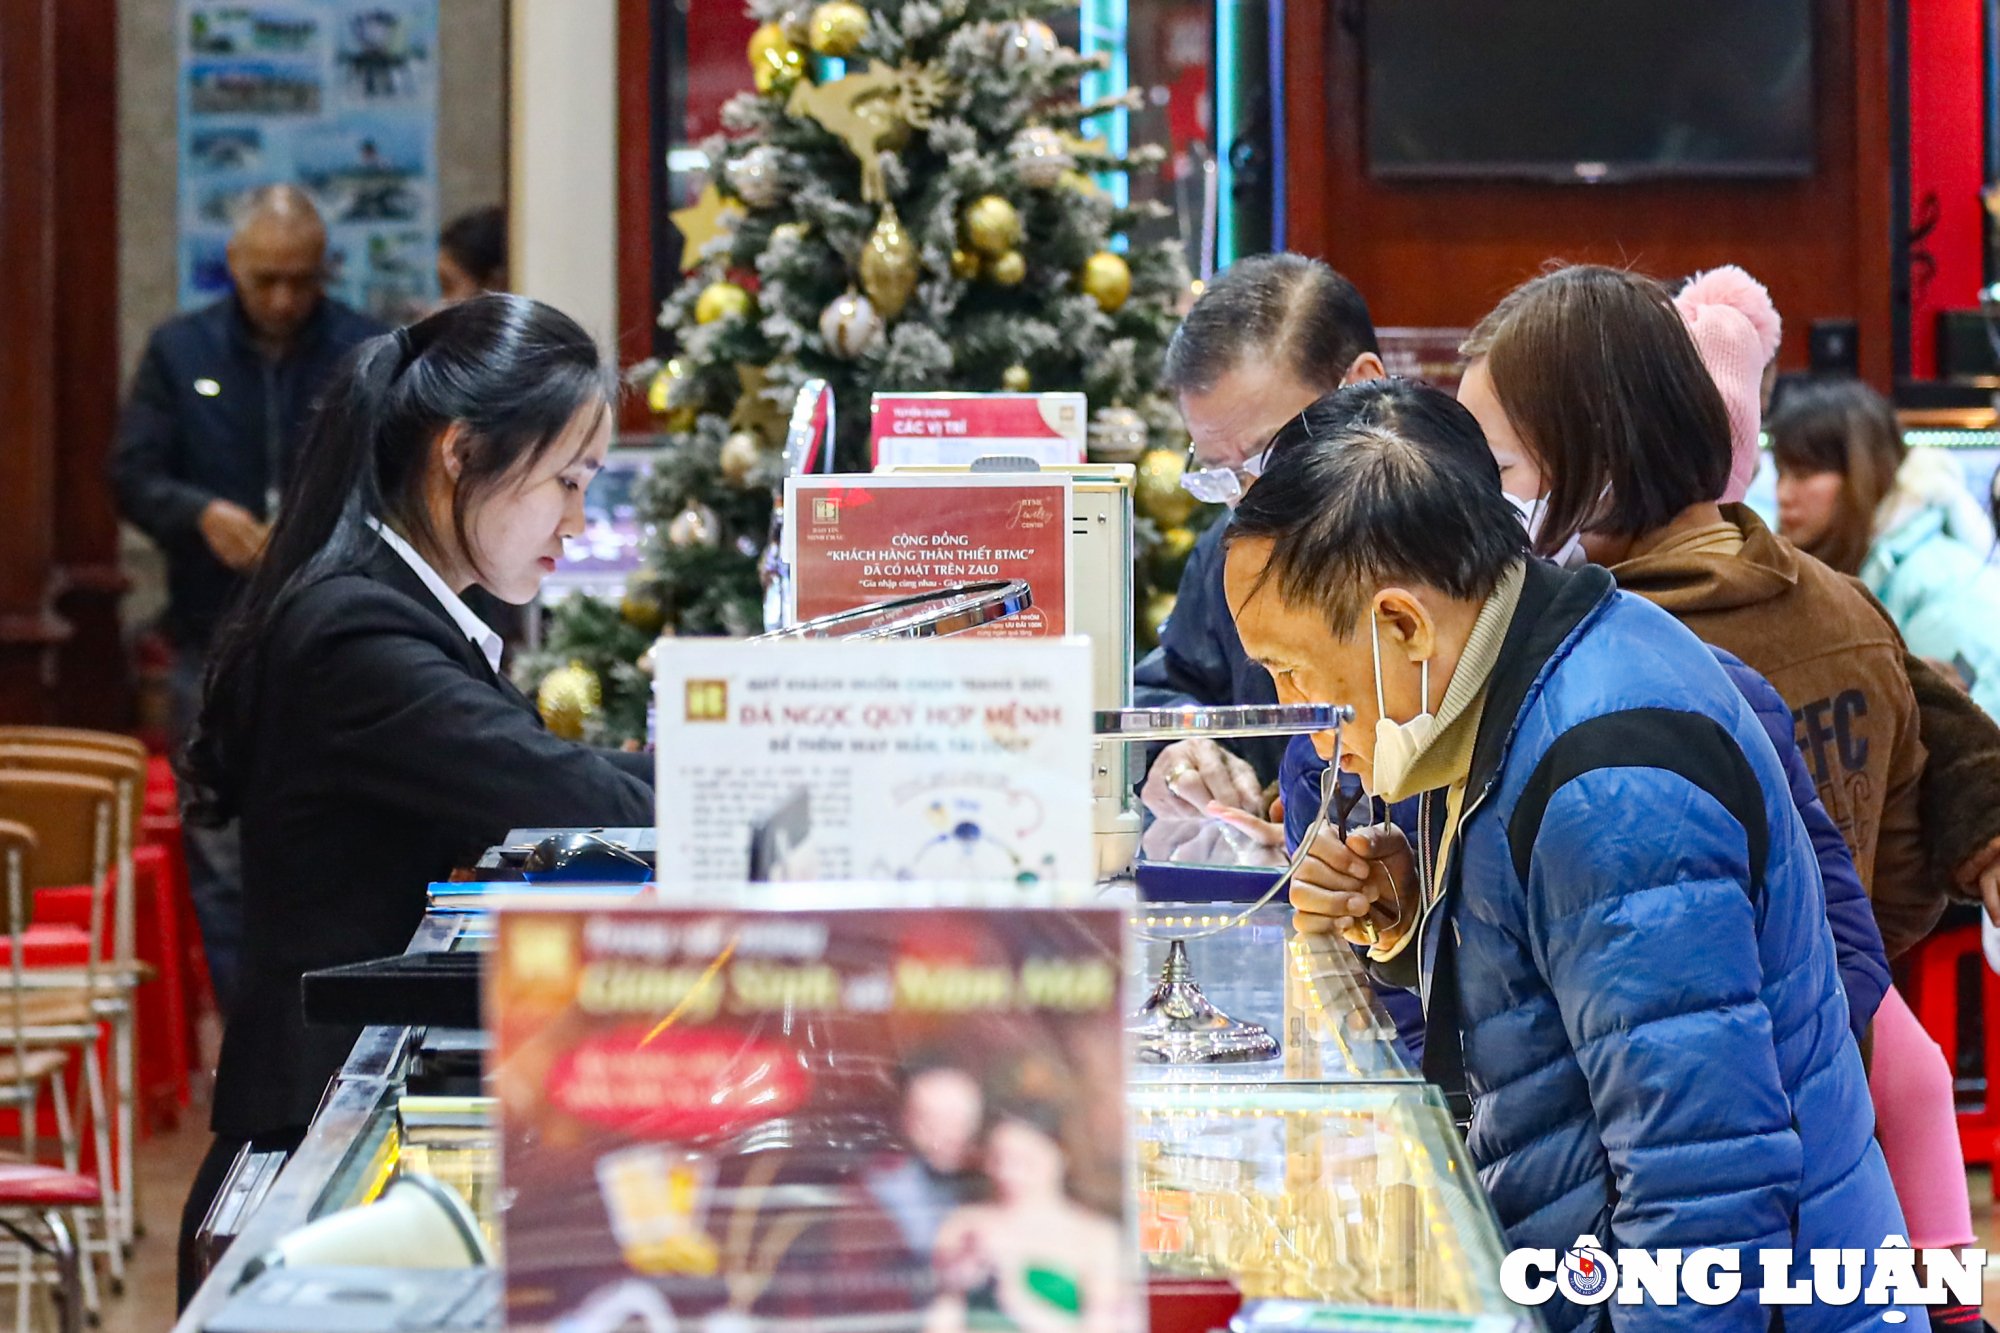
(1736, 329)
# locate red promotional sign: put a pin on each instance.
(858, 539)
(698, 1085)
(924, 429)
(812, 1118)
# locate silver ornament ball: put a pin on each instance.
(1029, 43)
(695, 525)
(850, 325)
(1039, 157)
(1117, 435)
(758, 177)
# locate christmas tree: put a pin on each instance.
(912, 199)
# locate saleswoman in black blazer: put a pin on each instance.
(357, 722)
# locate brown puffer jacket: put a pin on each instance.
(1838, 661)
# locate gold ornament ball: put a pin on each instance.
(889, 265)
(739, 457)
(850, 325)
(642, 611)
(695, 525)
(1107, 279)
(837, 28)
(660, 397)
(1159, 605)
(1008, 269)
(965, 264)
(569, 697)
(1160, 495)
(1016, 379)
(719, 300)
(1170, 556)
(992, 226)
(775, 63)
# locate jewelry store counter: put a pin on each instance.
(1310, 1163)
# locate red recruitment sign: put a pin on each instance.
(862, 539)
(925, 429)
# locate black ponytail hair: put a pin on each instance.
(510, 372)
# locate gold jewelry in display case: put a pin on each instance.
(1328, 1173)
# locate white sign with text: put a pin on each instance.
(956, 761)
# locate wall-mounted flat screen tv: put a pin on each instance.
(1588, 90)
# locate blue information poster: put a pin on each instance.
(337, 96)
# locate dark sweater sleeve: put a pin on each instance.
(1857, 941)
(1191, 665)
(151, 495)
(1960, 793)
(411, 726)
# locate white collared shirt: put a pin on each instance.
(477, 630)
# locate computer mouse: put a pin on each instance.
(583, 857)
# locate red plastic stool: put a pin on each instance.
(45, 1192)
(1935, 968)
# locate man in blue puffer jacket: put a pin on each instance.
(1612, 898)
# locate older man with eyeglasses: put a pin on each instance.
(1268, 338)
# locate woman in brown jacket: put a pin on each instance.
(1594, 399)
(1599, 410)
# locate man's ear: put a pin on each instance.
(1367, 366)
(1403, 622)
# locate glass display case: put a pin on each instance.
(1349, 1194)
(1327, 1171)
(1307, 991)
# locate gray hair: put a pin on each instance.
(1281, 306)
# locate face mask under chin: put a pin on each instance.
(1398, 745)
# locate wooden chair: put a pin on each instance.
(114, 993)
(76, 738)
(73, 816)
(41, 1193)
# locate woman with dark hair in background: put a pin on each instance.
(356, 721)
(1851, 492)
(472, 255)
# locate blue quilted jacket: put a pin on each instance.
(1857, 941)
(1631, 972)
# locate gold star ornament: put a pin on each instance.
(702, 221)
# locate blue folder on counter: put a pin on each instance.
(1176, 882)
(477, 896)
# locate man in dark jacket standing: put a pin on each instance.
(1270, 335)
(1612, 894)
(216, 410)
